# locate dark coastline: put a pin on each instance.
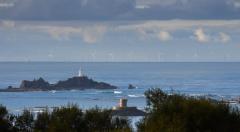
(77, 83)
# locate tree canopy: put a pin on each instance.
(179, 113)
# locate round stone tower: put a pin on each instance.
(123, 103)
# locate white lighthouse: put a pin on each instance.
(80, 73)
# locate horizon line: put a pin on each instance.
(119, 61)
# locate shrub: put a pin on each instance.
(73, 119)
(178, 113)
(5, 124)
(24, 122)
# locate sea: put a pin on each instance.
(213, 79)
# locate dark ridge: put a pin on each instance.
(78, 83)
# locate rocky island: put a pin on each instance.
(79, 82)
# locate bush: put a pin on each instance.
(63, 119)
(5, 125)
(73, 119)
(166, 113)
(42, 122)
(102, 120)
(68, 118)
(178, 113)
(24, 122)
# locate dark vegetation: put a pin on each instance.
(63, 119)
(166, 113)
(179, 113)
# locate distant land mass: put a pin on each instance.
(77, 83)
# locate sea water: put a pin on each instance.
(218, 80)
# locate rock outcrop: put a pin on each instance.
(82, 83)
(78, 83)
(35, 84)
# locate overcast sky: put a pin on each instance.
(119, 30)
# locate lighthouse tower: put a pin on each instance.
(80, 73)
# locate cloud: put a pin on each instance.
(172, 25)
(59, 33)
(160, 2)
(234, 3)
(201, 36)
(6, 3)
(7, 24)
(224, 38)
(92, 32)
(148, 29)
(66, 9)
(50, 55)
(164, 36)
(89, 34)
(119, 9)
(153, 33)
(188, 9)
(142, 6)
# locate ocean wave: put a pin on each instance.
(117, 92)
(136, 95)
(73, 90)
(53, 91)
(196, 95)
(17, 110)
(104, 91)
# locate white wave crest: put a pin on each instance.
(117, 92)
(136, 95)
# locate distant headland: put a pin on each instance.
(79, 82)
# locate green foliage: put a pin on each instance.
(3, 112)
(42, 122)
(121, 125)
(102, 120)
(166, 113)
(96, 121)
(24, 122)
(178, 113)
(68, 118)
(4, 123)
(73, 119)
(63, 119)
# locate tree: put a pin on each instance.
(24, 122)
(41, 124)
(71, 118)
(179, 113)
(121, 125)
(68, 118)
(5, 125)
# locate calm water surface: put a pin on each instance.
(213, 79)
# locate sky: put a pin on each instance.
(120, 30)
